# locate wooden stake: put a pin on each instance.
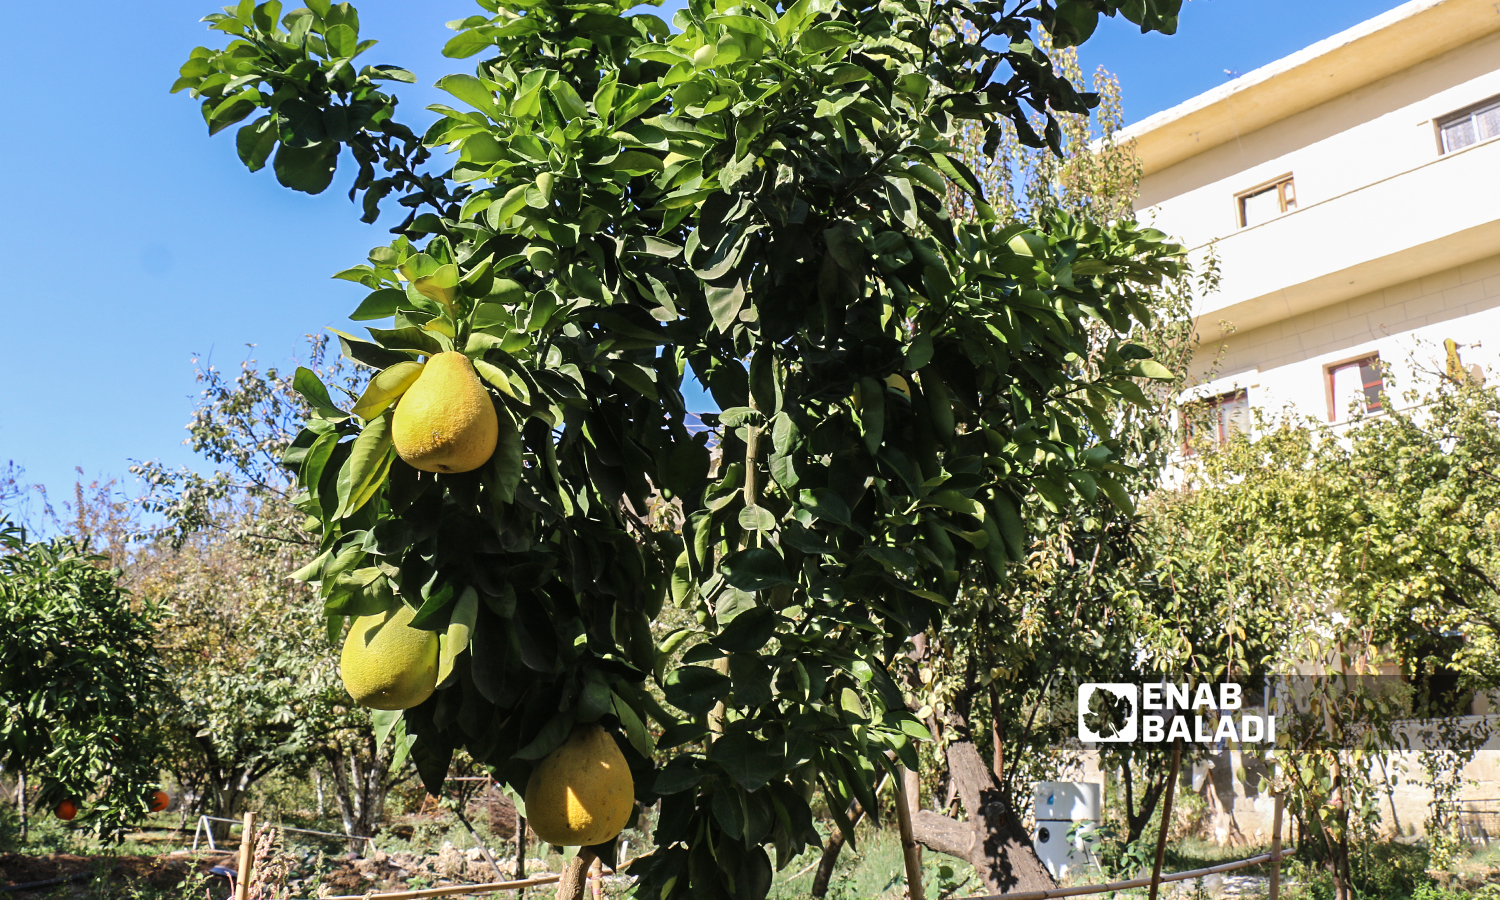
(247, 857)
(909, 847)
(596, 878)
(1276, 848)
(1166, 817)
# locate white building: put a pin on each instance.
(1351, 193)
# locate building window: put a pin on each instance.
(1470, 126)
(1356, 385)
(1261, 204)
(1217, 419)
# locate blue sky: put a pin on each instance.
(135, 241)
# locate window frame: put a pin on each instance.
(1458, 115)
(1334, 412)
(1208, 406)
(1279, 184)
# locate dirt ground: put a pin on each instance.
(155, 871)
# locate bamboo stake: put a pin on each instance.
(1276, 848)
(247, 857)
(1166, 817)
(909, 848)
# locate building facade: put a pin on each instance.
(1349, 195)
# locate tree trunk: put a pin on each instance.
(1136, 820)
(997, 735)
(225, 797)
(21, 803)
(575, 877)
(520, 853)
(360, 785)
(992, 839)
(832, 850)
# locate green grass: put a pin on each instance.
(874, 871)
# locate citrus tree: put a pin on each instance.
(81, 684)
(1003, 667)
(754, 200)
(1330, 557)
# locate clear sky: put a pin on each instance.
(135, 241)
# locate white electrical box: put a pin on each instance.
(1059, 807)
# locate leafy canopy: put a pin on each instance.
(81, 686)
(753, 200)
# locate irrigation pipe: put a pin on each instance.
(1080, 890)
(200, 831)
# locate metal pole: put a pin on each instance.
(1276, 849)
(247, 857)
(1166, 817)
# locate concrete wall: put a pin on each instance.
(1369, 134)
(1283, 364)
(1239, 815)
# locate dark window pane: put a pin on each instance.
(1373, 382)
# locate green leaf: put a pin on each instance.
(386, 387)
(636, 162)
(341, 40)
(1012, 529)
(635, 729)
(384, 722)
(513, 202)
(749, 631)
(549, 738)
(1117, 494)
(755, 569)
(471, 91)
(365, 469)
(825, 504)
(381, 304)
(306, 383)
(750, 762)
(695, 689)
(306, 169)
(508, 465)
(757, 518)
(407, 338)
(441, 286)
(460, 628)
(391, 73)
(725, 303)
(1150, 368)
(255, 141)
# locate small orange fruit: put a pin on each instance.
(159, 801)
(66, 810)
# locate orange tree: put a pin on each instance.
(81, 685)
(754, 200)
